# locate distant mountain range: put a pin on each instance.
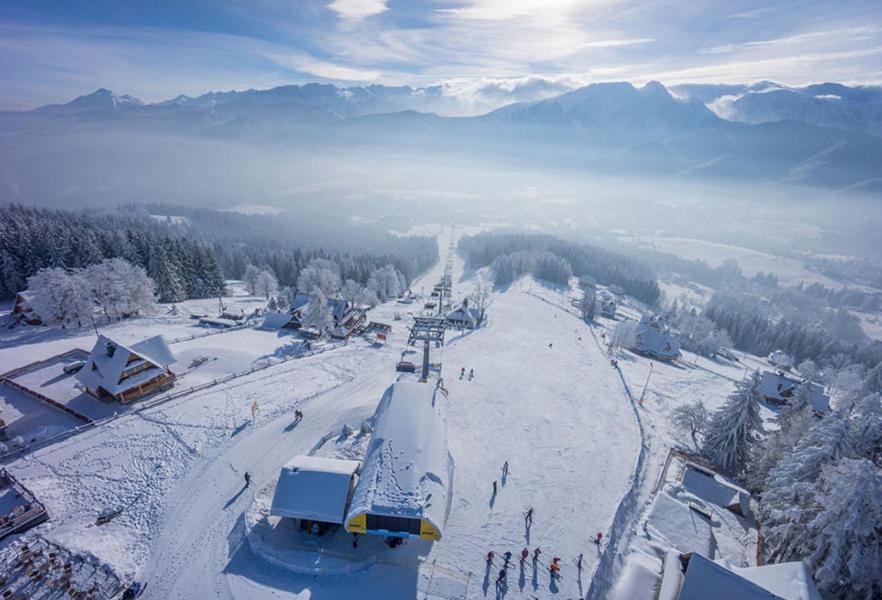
(827, 135)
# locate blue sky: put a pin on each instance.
(52, 51)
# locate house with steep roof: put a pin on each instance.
(347, 317)
(115, 371)
(653, 338)
(464, 316)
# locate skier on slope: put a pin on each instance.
(507, 557)
(247, 479)
(494, 487)
(599, 538)
(528, 518)
(554, 567)
(462, 373)
(536, 553)
(471, 374)
(524, 554)
(490, 556)
(505, 469)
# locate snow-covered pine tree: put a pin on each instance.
(317, 313)
(794, 419)
(735, 428)
(786, 505)
(866, 428)
(842, 540)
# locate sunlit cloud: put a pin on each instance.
(461, 44)
(357, 9)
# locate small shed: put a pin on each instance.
(315, 490)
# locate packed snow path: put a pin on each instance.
(543, 398)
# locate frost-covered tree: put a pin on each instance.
(866, 428)
(321, 273)
(588, 304)
(691, 418)
(623, 335)
(781, 359)
(250, 278)
(808, 369)
(844, 384)
(842, 540)
(480, 295)
(872, 383)
(120, 289)
(735, 428)
(60, 298)
(787, 499)
(385, 283)
(317, 313)
(794, 419)
(266, 284)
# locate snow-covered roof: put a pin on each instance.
(314, 488)
(464, 314)
(275, 320)
(780, 388)
(108, 360)
(407, 468)
(791, 580)
(653, 338)
(338, 306)
(713, 488)
(683, 528)
(707, 579)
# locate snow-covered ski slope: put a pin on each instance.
(544, 397)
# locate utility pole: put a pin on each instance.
(646, 385)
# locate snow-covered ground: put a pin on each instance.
(544, 397)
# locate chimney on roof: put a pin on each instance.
(110, 347)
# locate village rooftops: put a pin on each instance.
(404, 486)
(314, 488)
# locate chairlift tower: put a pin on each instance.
(426, 329)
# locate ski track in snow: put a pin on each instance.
(561, 416)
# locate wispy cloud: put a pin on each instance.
(48, 54)
(357, 9)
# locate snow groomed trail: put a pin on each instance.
(543, 398)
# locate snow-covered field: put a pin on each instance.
(544, 398)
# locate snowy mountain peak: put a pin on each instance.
(612, 105)
(103, 98)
